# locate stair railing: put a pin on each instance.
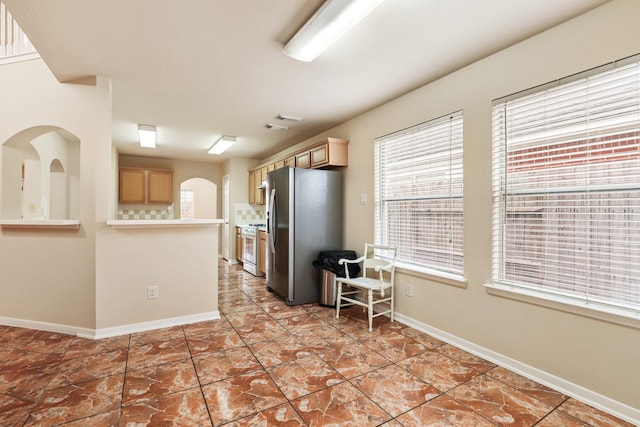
(14, 43)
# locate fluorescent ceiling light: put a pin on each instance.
(328, 24)
(147, 135)
(222, 144)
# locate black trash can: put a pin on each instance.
(327, 263)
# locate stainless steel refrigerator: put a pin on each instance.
(304, 217)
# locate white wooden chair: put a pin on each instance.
(375, 286)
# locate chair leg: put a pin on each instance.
(370, 311)
(392, 306)
(338, 296)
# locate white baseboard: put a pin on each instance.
(154, 324)
(113, 331)
(580, 393)
(45, 326)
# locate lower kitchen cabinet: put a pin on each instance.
(263, 252)
(239, 243)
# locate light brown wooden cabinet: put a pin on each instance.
(137, 185)
(239, 243)
(263, 251)
(252, 187)
(333, 153)
(303, 160)
(326, 153)
(290, 161)
(256, 195)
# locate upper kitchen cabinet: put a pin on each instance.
(256, 194)
(326, 153)
(290, 161)
(139, 185)
(331, 153)
(303, 160)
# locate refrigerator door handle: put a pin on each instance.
(273, 220)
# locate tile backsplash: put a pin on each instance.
(145, 212)
(245, 213)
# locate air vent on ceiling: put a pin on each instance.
(275, 127)
(289, 118)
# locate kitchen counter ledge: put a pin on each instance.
(65, 224)
(163, 223)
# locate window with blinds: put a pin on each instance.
(418, 194)
(567, 189)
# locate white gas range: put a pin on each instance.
(251, 248)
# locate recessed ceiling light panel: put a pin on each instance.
(147, 135)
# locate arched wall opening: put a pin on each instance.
(40, 175)
(198, 199)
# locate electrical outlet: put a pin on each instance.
(152, 292)
(408, 289)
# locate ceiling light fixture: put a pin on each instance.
(289, 118)
(147, 134)
(275, 127)
(328, 24)
(222, 144)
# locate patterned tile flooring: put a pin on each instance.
(265, 363)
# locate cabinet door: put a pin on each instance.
(132, 186)
(252, 186)
(259, 192)
(320, 156)
(303, 160)
(263, 252)
(291, 161)
(238, 244)
(160, 187)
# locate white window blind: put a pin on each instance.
(567, 189)
(418, 194)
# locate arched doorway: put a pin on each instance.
(198, 199)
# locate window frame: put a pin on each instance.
(382, 199)
(610, 311)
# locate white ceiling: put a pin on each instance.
(199, 69)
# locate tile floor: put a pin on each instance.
(266, 364)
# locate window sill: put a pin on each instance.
(433, 275)
(567, 304)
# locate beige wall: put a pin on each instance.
(48, 276)
(182, 262)
(599, 356)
